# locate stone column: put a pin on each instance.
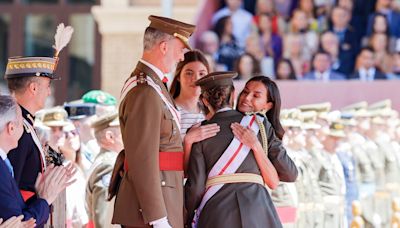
(121, 25)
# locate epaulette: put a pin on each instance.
(142, 78)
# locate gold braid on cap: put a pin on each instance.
(183, 38)
(262, 128)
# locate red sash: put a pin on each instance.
(169, 161)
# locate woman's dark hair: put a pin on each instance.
(292, 75)
(273, 96)
(217, 96)
(219, 27)
(117, 174)
(190, 56)
(370, 29)
(256, 64)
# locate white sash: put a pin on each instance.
(38, 144)
(132, 82)
(228, 163)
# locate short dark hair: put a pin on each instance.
(218, 96)
(16, 85)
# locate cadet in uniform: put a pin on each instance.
(108, 136)
(331, 179)
(313, 148)
(151, 191)
(286, 195)
(29, 80)
(346, 157)
(224, 186)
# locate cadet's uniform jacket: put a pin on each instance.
(234, 205)
(26, 158)
(97, 188)
(147, 126)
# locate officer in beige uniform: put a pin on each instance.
(151, 191)
(109, 138)
(313, 147)
(331, 179)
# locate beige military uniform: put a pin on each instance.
(146, 193)
(332, 183)
(97, 188)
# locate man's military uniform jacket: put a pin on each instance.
(97, 188)
(26, 158)
(146, 193)
(240, 204)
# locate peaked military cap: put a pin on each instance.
(55, 117)
(19, 67)
(79, 110)
(356, 106)
(223, 78)
(178, 29)
(319, 107)
(309, 120)
(381, 105)
(99, 97)
(336, 129)
(108, 120)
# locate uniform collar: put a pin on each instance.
(154, 68)
(226, 114)
(3, 154)
(27, 115)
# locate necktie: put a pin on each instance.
(9, 166)
(164, 81)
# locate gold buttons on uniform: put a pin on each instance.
(163, 183)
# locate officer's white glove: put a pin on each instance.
(161, 223)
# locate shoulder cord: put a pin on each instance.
(262, 128)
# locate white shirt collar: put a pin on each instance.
(154, 68)
(324, 76)
(3, 154)
(367, 75)
(224, 109)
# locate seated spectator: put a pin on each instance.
(342, 59)
(395, 73)
(322, 68)
(293, 50)
(366, 69)
(393, 17)
(48, 185)
(228, 50)
(299, 25)
(348, 40)
(241, 19)
(255, 48)
(247, 67)
(317, 23)
(380, 24)
(383, 59)
(284, 70)
(278, 25)
(209, 43)
(285, 8)
(271, 41)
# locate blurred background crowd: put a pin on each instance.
(306, 39)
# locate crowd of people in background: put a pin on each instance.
(305, 39)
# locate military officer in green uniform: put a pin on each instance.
(109, 138)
